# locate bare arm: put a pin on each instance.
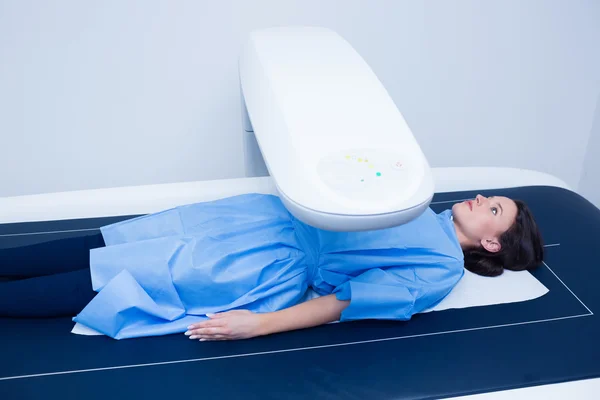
(243, 324)
(319, 311)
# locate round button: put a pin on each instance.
(397, 165)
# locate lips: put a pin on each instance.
(470, 204)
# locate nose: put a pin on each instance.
(480, 199)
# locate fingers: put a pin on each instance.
(210, 334)
(206, 331)
(215, 328)
(213, 331)
(214, 338)
(196, 333)
(207, 324)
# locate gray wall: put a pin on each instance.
(589, 187)
(113, 93)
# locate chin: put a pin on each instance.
(459, 209)
(456, 209)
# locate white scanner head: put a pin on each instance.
(338, 150)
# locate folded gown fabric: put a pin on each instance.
(160, 272)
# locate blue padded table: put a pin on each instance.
(443, 354)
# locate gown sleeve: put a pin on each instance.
(398, 293)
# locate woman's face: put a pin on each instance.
(484, 220)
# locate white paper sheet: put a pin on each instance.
(472, 291)
(476, 291)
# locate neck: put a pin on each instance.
(464, 241)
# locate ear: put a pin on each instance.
(491, 244)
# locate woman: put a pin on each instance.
(239, 267)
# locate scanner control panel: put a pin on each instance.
(367, 174)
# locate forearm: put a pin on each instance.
(318, 311)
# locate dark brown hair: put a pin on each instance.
(521, 248)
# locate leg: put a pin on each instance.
(63, 294)
(51, 257)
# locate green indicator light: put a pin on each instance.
(378, 174)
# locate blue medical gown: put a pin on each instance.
(161, 272)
